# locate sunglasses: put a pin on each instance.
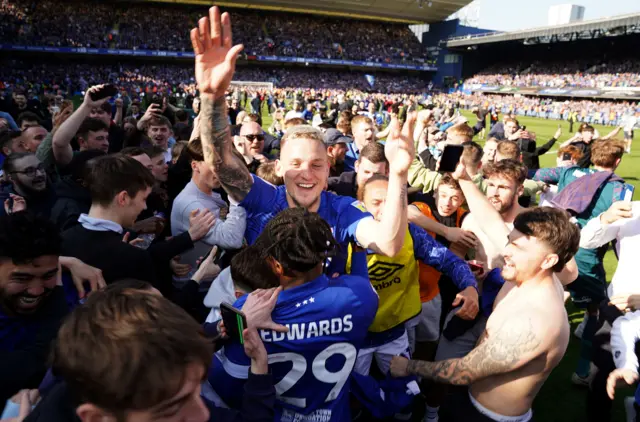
(254, 137)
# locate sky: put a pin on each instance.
(510, 15)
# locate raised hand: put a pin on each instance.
(88, 101)
(399, 147)
(215, 53)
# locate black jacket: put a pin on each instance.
(106, 250)
(344, 185)
(531, 159)
(72, 200)
(257, 406)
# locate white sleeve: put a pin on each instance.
(594, 234)
(228, 234)
(624, 334)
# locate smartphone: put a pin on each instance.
(108, 90)
(450, 158)
(627, 192)
(234, 321)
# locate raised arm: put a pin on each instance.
(387, 235)
(215, 65)
(61, 144)
(492, 223)
(612, 134)
(516, 343)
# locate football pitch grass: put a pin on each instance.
(559, 400)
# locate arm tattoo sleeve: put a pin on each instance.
(494, 355)
(217, 147)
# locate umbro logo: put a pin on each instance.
(383, 270)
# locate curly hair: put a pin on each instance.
(299, 240)
(25, 237)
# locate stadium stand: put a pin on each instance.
(163, 27)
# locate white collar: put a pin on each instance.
(99, 225)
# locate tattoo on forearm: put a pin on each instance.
(217, 147)
(493, 355)
(403, 196)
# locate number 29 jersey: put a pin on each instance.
(311, 364)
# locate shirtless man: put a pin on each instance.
(528, 331)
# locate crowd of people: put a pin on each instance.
(102, 24)
(574, 74)
(184, 262)
(172, 79)
(602, 112)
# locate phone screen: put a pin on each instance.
(627, 192)
(450, 158)
(234, 321)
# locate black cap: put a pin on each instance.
(334, 136)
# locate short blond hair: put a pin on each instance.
(302, 131)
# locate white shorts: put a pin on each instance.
(428, 328)
(383, 353)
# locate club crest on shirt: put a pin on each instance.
(359, 205)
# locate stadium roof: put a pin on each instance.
(404, 11)
(603, 24)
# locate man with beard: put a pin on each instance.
(589, 290)
(32, 302)
(364, 132)
(527, 333)
(28, 179)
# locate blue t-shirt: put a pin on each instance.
(264, 201)
(351, 157)
(311, 365)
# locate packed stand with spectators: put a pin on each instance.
(146, 26)
(225, 271)
(576, 74)
(608, 113)
(75, 78)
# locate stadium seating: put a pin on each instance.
(583, 73)
(160, 27)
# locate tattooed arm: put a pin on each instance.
(514, 345)
(217, 146)
(214, 67)
(386, 236)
